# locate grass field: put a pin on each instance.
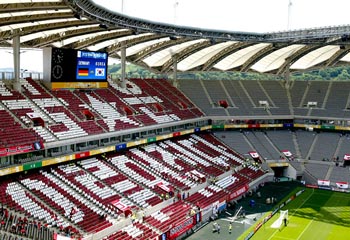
(315, 214)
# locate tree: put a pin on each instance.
(339, 73)
(344, 75)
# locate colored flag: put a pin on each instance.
(83, 72)
(99, 72)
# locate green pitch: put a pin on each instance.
(315, 214)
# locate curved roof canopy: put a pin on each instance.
(81, 24)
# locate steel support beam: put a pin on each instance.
(9, 34)
(32, 6)
(123, 65)
(17, 62)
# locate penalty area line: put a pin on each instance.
(276, 231)
(308, 225)
(279, 237)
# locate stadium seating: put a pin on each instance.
(134, 231)
(235, 140)
(83, 113)
(207, 196)
(16, 197)
(66, 201)
(319, 171)
(169, 216)
(135, 178)
(244, 96)
(277, 93)
(14, 226)
(147, 102)
(259, 141)
(76, 105)
(93, 193)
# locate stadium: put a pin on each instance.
(88, 155)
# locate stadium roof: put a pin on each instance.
(81, 24)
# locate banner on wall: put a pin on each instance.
(61, 237)
(342, 185)
(323, 182)
(287, 153)
(182, 227)
(238, 192)
(254, 154)
(21, 149)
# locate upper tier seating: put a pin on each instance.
(13, 133)
(39, 114)
(75, 105)
(169, 97)
(149, 102)
(243, 97)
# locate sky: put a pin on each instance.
(238, 15)
(230, 15)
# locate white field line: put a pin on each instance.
(277, 230)
(308, 225)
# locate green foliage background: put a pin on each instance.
(134, 71)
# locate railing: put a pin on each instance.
(11, 75)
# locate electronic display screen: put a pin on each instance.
(91, 66)
(70, 65)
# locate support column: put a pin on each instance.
(123, 56)
(175, 81)
(287, 82)
(16, 62)
(287, 78)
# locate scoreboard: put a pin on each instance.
(70, 68)
(91, 66)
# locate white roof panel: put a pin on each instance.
(346, 58)
(27, 1)
(83, 37)
(238, 58)
(202, 56)
(28, 13)
(36, 23)
(275, 59)
(44, 34)
(161, 57)
(104, 44)
(315, 57)
(141, 46)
